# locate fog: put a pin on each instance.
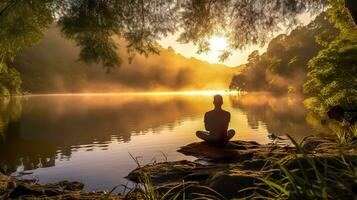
(52, 66)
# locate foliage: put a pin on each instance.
(146, 190)
(93, 24)
(310, 177)
(52, 66)
(22, 25)
(283, 67)
(10, 110)
(10, 81)
(332, 76)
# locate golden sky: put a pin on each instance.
(218, 44)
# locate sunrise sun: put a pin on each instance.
(218, 43)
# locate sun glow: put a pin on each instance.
(199, 92)
(218, 44)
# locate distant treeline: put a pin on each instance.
(283, 67)
(318, 61)
(52, 66)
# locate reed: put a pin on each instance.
(146, 190)
(310, 177)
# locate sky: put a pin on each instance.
(218, 44)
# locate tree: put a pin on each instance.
(283, 67)
(21, 25)
(332, 76)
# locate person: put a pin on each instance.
(216, 124)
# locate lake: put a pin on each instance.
(89, 138)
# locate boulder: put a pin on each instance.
(25, 190)
(312, 143)
(170, 172)
(230, 184)
(67, 185)
(234, 151)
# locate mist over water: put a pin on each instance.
(52, 66)
(88, 137)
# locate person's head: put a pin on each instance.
(217, 101)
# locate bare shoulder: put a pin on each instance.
(227, 113)
(209, 112)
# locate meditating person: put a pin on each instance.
(216, 124)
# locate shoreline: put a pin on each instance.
(238, 166)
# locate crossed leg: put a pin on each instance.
(206, 136)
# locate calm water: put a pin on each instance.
(88, 138)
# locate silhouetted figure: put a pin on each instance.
(216, 123)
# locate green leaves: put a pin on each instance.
(22, 25)
(332, 76)
(10, 81)
(282, 69)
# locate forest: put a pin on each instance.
(93, 106)
(317, 61)
(307, 61)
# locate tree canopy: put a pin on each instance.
(332, 73)
(283, 67)
(92, 24)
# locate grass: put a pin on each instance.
(310, 177)
(302, 176)
(145, 189)
(345, 135)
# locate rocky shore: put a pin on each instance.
(11, 188)
(241, 165)
(223, 173)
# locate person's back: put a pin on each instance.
(216, 123)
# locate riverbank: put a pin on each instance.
(318, 167)
(242, 169)
(11, 188)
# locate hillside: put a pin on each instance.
(284, 66)
(52, 66)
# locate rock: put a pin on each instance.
(166, 172)
(51, 192)
(254, 164)
(313, 143)
(12, 188)
(67, 185)
(230, 184)
(233, 152)
(205, 151)
(23, 190)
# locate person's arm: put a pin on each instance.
(207, 125)
(228, 120)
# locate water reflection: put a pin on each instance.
(280, 114)
(50, 126)
(88, 137)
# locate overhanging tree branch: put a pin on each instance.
(7, 7)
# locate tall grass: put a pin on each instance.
(146, 190)
(301, 175)
(345, 135)
(311, 177)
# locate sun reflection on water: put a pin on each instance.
(192, 92)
